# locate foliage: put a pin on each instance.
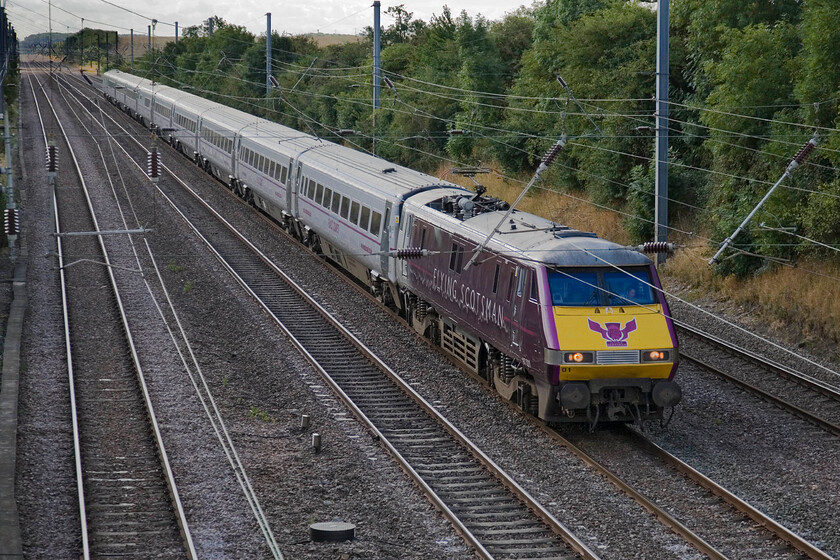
(749, 82)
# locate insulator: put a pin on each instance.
(12, 221)
(410, 253)
(805, 151)
(52, 159)
(552, 153)
(153, 164)
(656, 247)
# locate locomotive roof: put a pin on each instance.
(529, 237)
(537, 239)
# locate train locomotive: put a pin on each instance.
(571, 327)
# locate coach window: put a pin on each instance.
(319, 193)
(283, 175)
(336, 203)
(327, 198)
(354, 213)
(345, 207)
(364, 220)
(271, 169)
(375, 223)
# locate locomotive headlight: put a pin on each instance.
(656, 356)
(578, 357)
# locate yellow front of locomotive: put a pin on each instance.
(617, 346)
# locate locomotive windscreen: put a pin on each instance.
(594, 288)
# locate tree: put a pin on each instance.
(480, 76)
(562, 13)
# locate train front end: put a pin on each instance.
(616, 350)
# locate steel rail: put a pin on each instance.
(804, 546)
(830, 391)
(183, 524)
(74, 418)
(797, 377)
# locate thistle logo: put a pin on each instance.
(613, 333)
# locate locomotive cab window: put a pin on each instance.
(533, 296)
(520, 285)
(600, 288)
(496, 278)
(628, 288)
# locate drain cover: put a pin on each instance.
(332, 531)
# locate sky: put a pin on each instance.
(307, 16)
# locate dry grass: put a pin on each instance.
(326, 39)
(800, 305)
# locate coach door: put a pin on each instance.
(385, 242)
(295, 186)
(405, 242)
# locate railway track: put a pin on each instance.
(355, 382)
(128, 501)
(714, 520)
(814, 400)
(168, 349)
